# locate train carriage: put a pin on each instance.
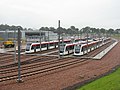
(35, 47)
(81, 49)
(66, 49)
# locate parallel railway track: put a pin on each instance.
(28, 60)
(45, 69)
(40, 65)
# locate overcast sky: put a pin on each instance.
(46, 13)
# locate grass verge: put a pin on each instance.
(110, 82)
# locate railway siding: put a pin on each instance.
(87, 70)
(43, 69)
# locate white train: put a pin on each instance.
(35, 47)
(66, 49)
(81, 49)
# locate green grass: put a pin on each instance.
(110, 82)
(116, 36)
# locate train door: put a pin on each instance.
(67, 50)
(34, 48)
(47, 46)
(84, 50)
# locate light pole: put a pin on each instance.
(48, 39)
(40, 38)
(62, 39)
(19, 80)
(48, 35)
(81, 33)
(87, 38)
(59, 38)
(6, 31)
(14, 45)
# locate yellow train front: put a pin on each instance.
(8, 44)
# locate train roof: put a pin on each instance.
(90, 43)
(69, 44)
(55, 41)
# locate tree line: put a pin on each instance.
(71, 30)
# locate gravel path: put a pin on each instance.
(68, 77)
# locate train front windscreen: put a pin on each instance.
(62, 48)
(77, 48)
(28, 46)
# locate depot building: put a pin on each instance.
(29, 36)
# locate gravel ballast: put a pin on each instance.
(68, 77)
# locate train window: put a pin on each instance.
(83, 49)
(56, 43)
(67, 48)
(77, 40)
(51, 44)
(71, 47)
(60, 42)
(43, 45)
(32, 47)
(37, 46)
